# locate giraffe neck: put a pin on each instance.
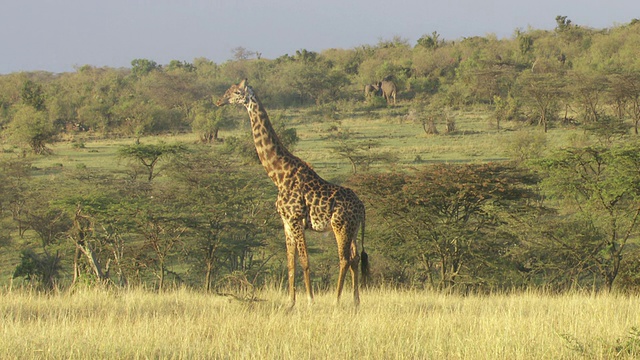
(275, 158)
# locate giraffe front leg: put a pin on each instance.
(291, 264)
(304, 263)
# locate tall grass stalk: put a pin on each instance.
(389, 324)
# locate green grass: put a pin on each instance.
(101, 154)
(389, 324)
(475, 140)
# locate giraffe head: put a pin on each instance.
(236, 94)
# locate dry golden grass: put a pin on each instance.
(389, 325)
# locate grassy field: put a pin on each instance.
(475, 140)
(389, 324)
(95, 323)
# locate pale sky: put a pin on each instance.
(56, 35)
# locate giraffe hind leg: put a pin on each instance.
(351, 264)
(349, 258)
(355, 259)
(341, 275)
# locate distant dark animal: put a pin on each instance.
(372, 90)
(389, 90)
(562, 58)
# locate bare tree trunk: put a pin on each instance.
(76, 266)
(207, 277)
(93, 260)
(82, 226)
(161, 277)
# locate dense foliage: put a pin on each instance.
(569, 220)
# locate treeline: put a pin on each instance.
(569, 220)
(572, 74)
(200, 222)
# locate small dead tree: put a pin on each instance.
(81, 235)
(451, 125)
(429, 125)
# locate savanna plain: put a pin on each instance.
(103, 255)
(96, 322)
(389, 324)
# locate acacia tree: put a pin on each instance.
(28, 202)
(359, 153)
(106, 227)
(624, 94)
(5, 231)
(140, 116)
(542, 93)
(50, 224)
(445, 219)
(33, 95)
(94, 231)
(209, 119)
(599, 187)
(162, 229)
(429, 41)
(148, 155)
(31, 127)
(173, 91)
(81, 235)
(142, 67)
(228, 221)
(97, 97)
(15, 176)
(310, 77)
(588, 89)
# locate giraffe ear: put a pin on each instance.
(243, 83)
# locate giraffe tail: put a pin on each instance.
(364, 258)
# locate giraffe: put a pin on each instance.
(305, 200)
